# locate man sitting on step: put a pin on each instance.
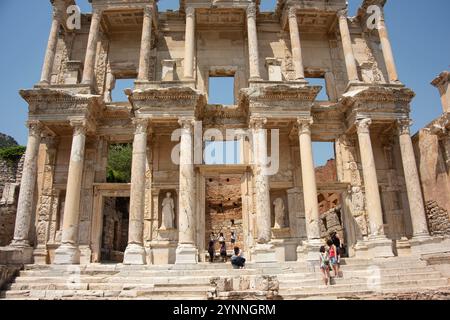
(237, 261)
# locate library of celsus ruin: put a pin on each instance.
(69, 212)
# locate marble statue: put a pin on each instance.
(168, 214)
(279, 213)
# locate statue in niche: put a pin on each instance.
(110, 85)
(168, 214)
(279, 214)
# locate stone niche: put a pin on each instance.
(163, 247)
(285, 246)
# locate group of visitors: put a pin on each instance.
(330, 258)
(223, 246)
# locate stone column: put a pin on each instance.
(189, 44)
(262, 192)
(27, 187)
(91, 51)
(253, 53)
(263, 250)
(309, 185)
(51, 50)
(146, 42)
(387, 51)
(378, 243)
(135, 252)
(414, 191)
(350, 61)
(68, 252)
(296, 45)
(186, 251)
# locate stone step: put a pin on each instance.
(331, 294)
(407, 284)
(355, 280)
(360, 273)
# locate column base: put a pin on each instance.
(186, 254)
(309, 250)
(67, 254)
(264, 253)
(379, 247)
(425, 244)
(134, 254)
(15, 254)
(40, 254)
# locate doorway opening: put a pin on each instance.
(115, 228)
(223, 214)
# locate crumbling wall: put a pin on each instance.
(10, 177)
(438, 220)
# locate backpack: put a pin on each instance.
(325, 259)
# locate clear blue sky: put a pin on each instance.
(419, 33)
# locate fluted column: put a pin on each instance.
(373, 199)
(91, 51)
(387, 51)
(296, 45)
(146, 41)
(186, 251)
(27, 187)
(309, 180)
(414, 191)
(68, 252)
(350, 61)
(253, 52)
(135, 252)
(262, 192)
(189, 44)
(51, 49)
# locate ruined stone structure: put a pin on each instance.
(432, 147)
(172, 56)
(10, 177)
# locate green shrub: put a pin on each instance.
(12, 155)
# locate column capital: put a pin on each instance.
(292, 13)
(342, 13)
(304, 125)
(148, 11)
(190, 12)
(403, 126)
(34, 128)
(186, 122)
(79, 126)
(362, 125)
(257, 123)
(251, 11)
(140, 125)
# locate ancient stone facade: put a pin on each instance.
(276, 116)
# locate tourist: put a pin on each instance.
(223, 251)
(233, 238)
(332, 253)
(221, 238)
(339, 247)
(212, 237)
(211, 251)
(324, 264)
(237, 261)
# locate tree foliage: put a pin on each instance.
(12, 154)
(119, 163)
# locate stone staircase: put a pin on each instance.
(361, 279)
